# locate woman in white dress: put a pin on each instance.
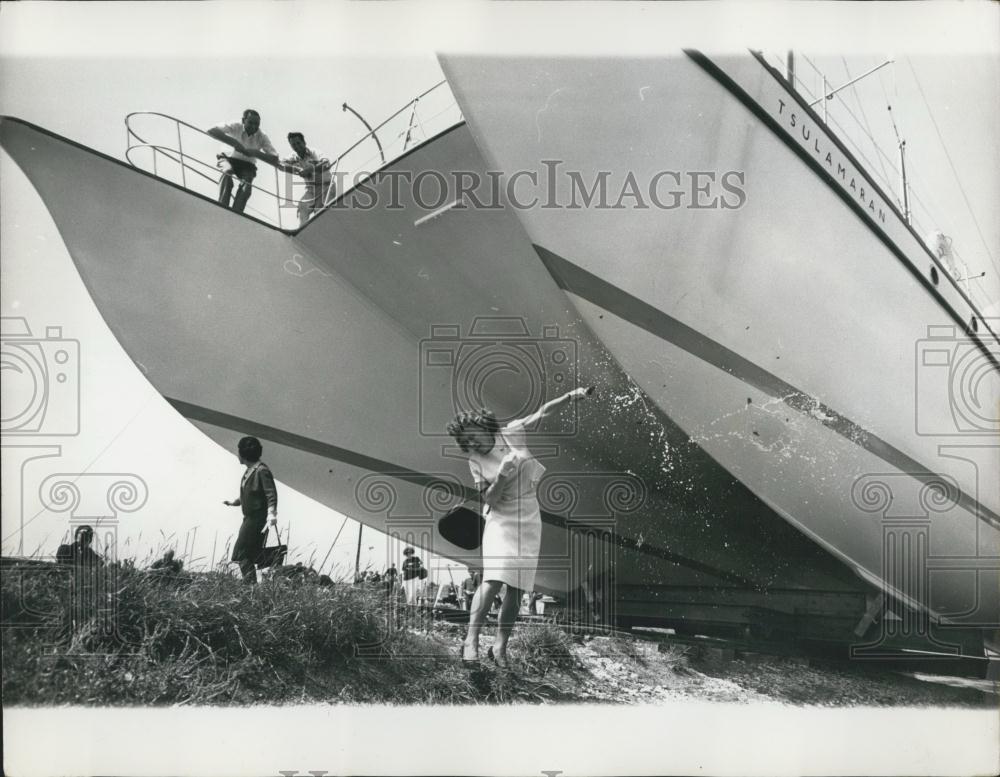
(506, 475)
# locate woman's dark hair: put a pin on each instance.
(484, 419)
(83, 531)
(297, 135)
(250, 449)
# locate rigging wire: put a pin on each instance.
(915, 198)
(848, 137)
(868, 128)
(928, 212)
(916, 201)
(845, 134)
(951, 164)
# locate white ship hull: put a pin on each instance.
(785, 328)
(317, 343)
(774, 343)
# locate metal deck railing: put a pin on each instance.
(179, 152)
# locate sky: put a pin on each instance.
(77, 69)
(297, 64)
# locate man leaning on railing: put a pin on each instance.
(314, 168)
(248, 142)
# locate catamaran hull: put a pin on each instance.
(328, 344)
(768, 298)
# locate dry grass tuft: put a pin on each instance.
(130, 636)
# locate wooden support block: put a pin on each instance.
(874, 609)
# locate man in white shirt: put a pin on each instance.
(315, 170)
(248, 142)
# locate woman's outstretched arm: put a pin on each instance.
(554, 405)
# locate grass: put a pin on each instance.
(134, 637)
(130, 636)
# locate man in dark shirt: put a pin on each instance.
(80, 552)
(90, 580)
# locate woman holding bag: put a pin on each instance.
(259, 500)
(414, 574)
(506, 475)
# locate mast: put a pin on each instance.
(828, 93)
(902, 173)
(357, 557)
(901, 142)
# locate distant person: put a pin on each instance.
(941, 246)
(259, 500)
(249, 143)
(498, 600)
(469, 586)
(428, 593)
(87, 570)
(168, 563)
(79, 551)
(389, 581)
(314, 168)
(298, 573)
(447, 594)
(413, 573)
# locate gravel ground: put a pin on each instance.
(612, 669)
(624, 671)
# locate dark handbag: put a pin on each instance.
(423, 573)
(463, 526)
(273, 556)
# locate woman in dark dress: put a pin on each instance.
(413, 573)
(259, 500)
